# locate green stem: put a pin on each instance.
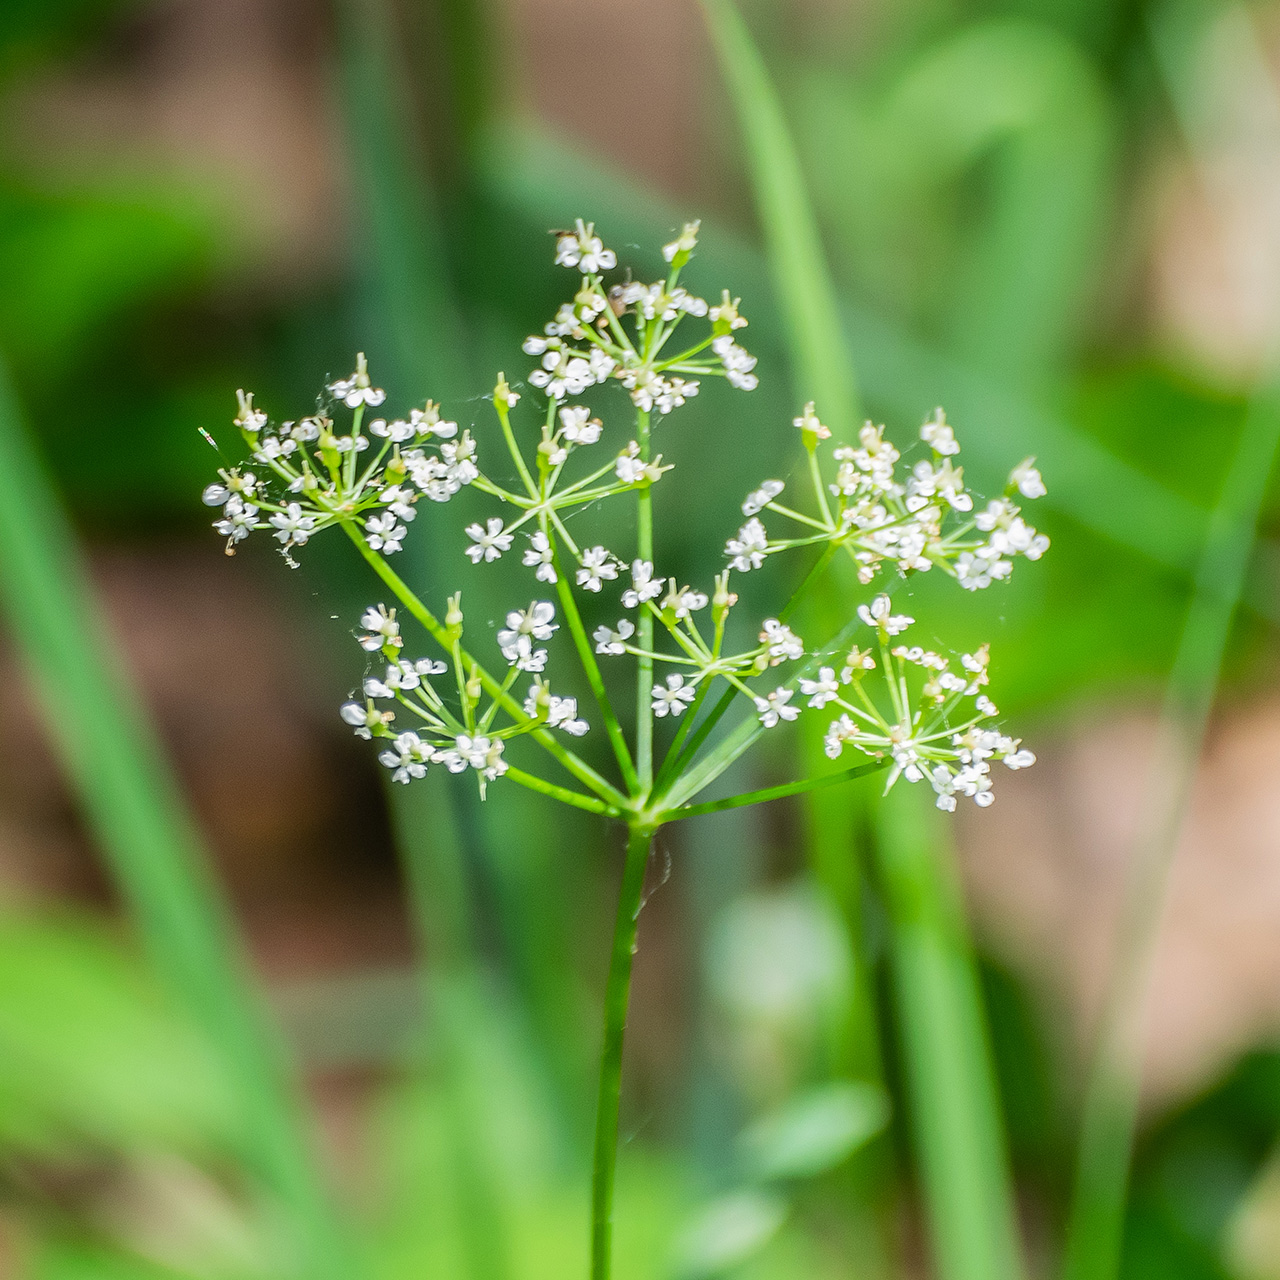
(616, 999)
(956, 1121)
(563, 794)
(644, 629)
(775, 793)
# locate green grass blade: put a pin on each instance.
(144, 828)
(823, 370)
(1096, 1225)
(954, 1116)
(410, 314)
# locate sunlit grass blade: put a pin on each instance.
(145, 830)
(1096, 1227)
(954, 1118)
(822, 368)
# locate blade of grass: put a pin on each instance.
(822, 367)
(955, 1117)
(145, 829)
(1096, 1224)
(410, 308)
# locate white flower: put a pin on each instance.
(487, 543)
(382, 628)
(1019, 538)
(944, 784)
(408, 759)
(239, 518)
(674, 393)
(838, 733)
(535, 622)
(674, 698)
(383, 533)
(364, 720)
(749, 548)
(583, 249)
(1023, 759)
(632, 469)
(810, 428)
(773, 707)
(822, 690)
(613, 640)
(479, 753)
(978, 569)
(428, 422)
(562, 714)
(682, 602)
(644, 586)
(399, 501)
(539, 554)
(780, 641)
(938, 434)
(727, 312)
(761, 497)
(683, 243)
(737, 363)
(355, 390)
(597, 565)
(579, 426)
(521, 654)
(879, 614)
(249, 419)
(1027, 480)
(292, 526)
(562, 374)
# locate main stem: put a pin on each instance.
(616, 998)
(644, 638)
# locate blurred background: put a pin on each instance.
(1058, 218)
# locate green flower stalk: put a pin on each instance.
(911, 712)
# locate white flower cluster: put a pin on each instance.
(925, 716)
(454, 731)
(938, 725)
(315, 477)
(588, 342)
(916, 521)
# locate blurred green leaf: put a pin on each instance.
(728, 1232)
(91, 1054)
(815, 1131)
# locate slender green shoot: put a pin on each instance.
(822, 369)
(955, 1117)
(146, 832)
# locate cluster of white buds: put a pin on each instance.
(917, 521)
(588, 340)
(923, 716)
(456, 729)
(937, 725)
(312, 477)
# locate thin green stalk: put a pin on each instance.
(1109, 1117)
(146, 832)
(617, 996)
(644, 626)
(820, 357)
(955, 1117)
(775, 793)
(1096, 1227)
